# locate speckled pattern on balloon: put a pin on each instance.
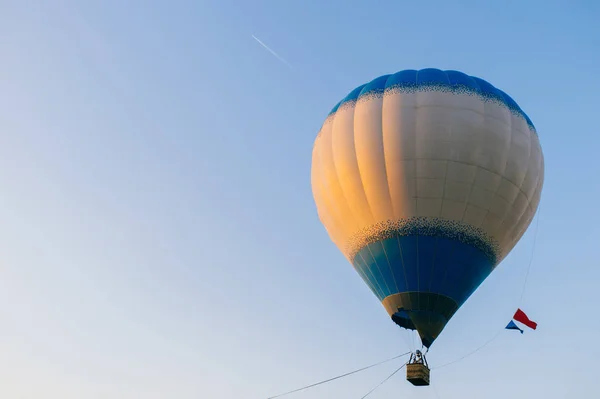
(425, 226)
(431, 80)
(371, 95)
(458, 89)
(340, 106)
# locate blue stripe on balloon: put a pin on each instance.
(425, 226)
(364, 270)
(350, 98)
(410, 255)
(423, 264)
(380, 269)
(374, 87)
(431, 79)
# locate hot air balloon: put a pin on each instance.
(425, 180)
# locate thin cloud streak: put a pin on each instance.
(272, 52)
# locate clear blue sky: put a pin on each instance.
(158, 236)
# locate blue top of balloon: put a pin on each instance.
(431, 79)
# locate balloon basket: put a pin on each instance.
(417, 370)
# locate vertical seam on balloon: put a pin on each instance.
(367, 279)
(418, 271)
(378, 97)
(500, 240)
(337, 174)
(379, 268)
(436, 238)
(337, 210)
(385, 159)
(390, 266)
(476, 167)
(402, 260)
(443, 282)
(416, 130)
(433, 262)
(462, 219)
(444, 189)
(410, 199)
(387, 177)
(467, 202)
(431, 274)
(525, 226)
(362, 186)
(374, 279)
(370, 277)
(446, 162)
(488, 211)
(324, 193)
(527, 170)
(385, 171)
(522, 230)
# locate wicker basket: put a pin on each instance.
(417, 374)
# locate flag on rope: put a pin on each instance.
(512, 326)
(522, 318)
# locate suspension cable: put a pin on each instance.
(537, 224)
(339, 376)
(470, 353)
(384, 381)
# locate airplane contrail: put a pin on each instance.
(272, 52)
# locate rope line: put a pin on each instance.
(537, 224)
(339, 376)
(437, 395)
(384, 381)
(470, 353)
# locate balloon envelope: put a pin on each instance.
(426, 180)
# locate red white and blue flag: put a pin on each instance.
(522, 318)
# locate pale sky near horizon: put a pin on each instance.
(158, 236)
